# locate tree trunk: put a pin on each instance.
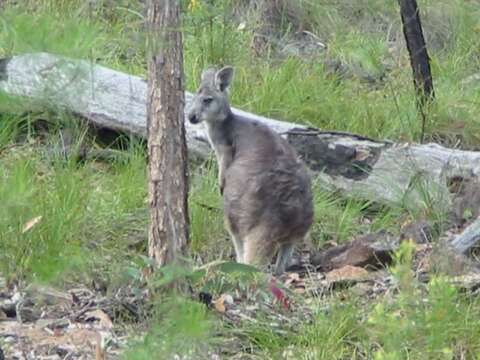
(167, 151)
(419, 60)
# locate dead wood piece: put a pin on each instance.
(41, 301)
(468, 282)
(370, 251)
(468, 238)
(466, 202)
(357, 166)
(442, 259)
(420, 232)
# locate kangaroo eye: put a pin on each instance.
(208, 100)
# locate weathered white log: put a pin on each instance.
(468, 238)
(380, 171)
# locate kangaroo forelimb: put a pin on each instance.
(225, 157)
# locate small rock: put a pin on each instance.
(361, 289)
(347, 273)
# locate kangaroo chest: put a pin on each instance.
(220, 136)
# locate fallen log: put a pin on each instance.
(468, 238)
(357, 166)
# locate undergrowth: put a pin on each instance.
(64, 219)
(415, 322)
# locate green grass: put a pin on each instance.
(206, 216)
(93, 214)
(182, 327)
(439, 325)
(417, 322)
(75, 201)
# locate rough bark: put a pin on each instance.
(419, 59)
(167, 151)
(359, 167)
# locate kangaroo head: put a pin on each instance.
(210, 103)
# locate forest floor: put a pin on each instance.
(74, 278)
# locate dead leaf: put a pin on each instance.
(147, 272)
(421, 247)
(347, 272)
(31, 223)
(105, 320)
(3, 316)
(292, 278)
(221, 301)
(279, 295)
(219, 305)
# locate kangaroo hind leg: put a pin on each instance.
(236, 239)
(239, 249)
(285, 252)
(258, 249)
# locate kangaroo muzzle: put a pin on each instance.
(193, 118)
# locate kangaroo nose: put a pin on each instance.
(193, 118)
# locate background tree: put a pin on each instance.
(419, 59)
(167, 151)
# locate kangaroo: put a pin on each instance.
(267, 196)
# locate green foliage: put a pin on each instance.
(206, 211)
(181, 328)
(415, 322)
(333, 335)
(73, 203)
(47, 32)
(210, 35)
(60, 203)
(341, 219)
(365, 52)
(228, 277)
(436, 321)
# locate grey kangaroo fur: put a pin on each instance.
(265, 186)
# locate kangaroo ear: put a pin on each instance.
(223, 78)
(208, 75)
